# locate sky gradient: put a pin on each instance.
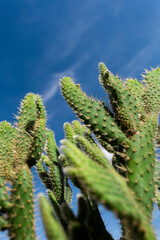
(42, 41)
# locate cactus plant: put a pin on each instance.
(21, 147)
(128, 131)
(128, 185)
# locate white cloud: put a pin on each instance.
(53, 85)
(144, 57)
(50, 93)
(138, 60)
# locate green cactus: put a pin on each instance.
(21, 215)
(128, 185)
(53, 229)
(21, 147)
(129, 133)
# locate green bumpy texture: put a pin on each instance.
(106, 189)
(128, 184)
(152, 80)
(8, 137)
(54, 166)
(92, 113)
(21, 215)
(21, 146)
(141, 165)
(31, 123)
(129, 132)
(53, 229)
(123, 102)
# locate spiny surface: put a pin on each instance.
(141, 165)
(52, 227)
(21, 215)
(152, 80)
(8, 137)
(31, 122)
(123, 102)
(106, 189)
(55, 169)
(92, 113)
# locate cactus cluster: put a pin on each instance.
(128, 185)
(128, 130)
(21, 147)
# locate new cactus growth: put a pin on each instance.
(128, 185)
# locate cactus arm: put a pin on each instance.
(152, 81)
(31, 123)
(81, 130)
(138, 90)
(38, 131)
(142, 152)
(38, 142)
(52, 228)
(44, 174)
(106, 189)
(63, 161)
(122, 101)
(55, 169)
(93, 152)
(41, 113)
(77, 127)
(51, 147)
(21, 215)
(141, 165)
(83, 210)
(28, 112)
(54, 203)
(92, 218)
(58, 210)
(8, 136)
(69, 132)
(67, 191)
(5, 203)
(92, 113)
(61, 188)
(86, 142)
(3, 224)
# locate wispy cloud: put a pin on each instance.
(53, 85)
(145, 56)
(51, 92)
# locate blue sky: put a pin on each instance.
(42, 41)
